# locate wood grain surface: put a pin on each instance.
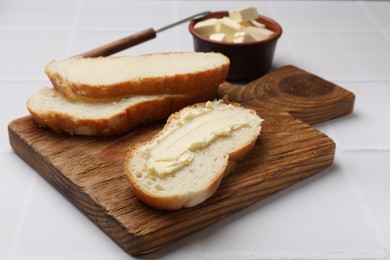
(89, 170)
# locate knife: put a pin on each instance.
(134, 39)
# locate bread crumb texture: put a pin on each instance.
(102, 71)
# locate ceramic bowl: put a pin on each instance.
(247, 60)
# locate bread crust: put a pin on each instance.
(176, 202)
(186, 84)
(132, 116)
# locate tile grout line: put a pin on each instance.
(289, 45)
(367, 214)
(66, 29)
(107, 29)
(365, 150)
(359, 198)
(372, 18)
(175, 14)
(339, 49)
(15, 242)
(361, 80)
(35, 29)
(304, 255)
(74, 29)
(366, 211)
(333, 30)
(27, 79)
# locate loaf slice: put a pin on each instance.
(184, 164)
(50, 108)
(106, 78)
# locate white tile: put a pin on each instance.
(125, 15)
(88, 40)
(183, 39)
(317, 218)
(346, 15)
(320, 15)
(317, 53)
(187, 8)
(366, 53)
(167, 41)
(14, 96)
(25, 53)
(368, 173)
(298, 15)
(379, 12)
(15, 181)
(38, 14)
(368, 126)
(184, 43)
(284, 54)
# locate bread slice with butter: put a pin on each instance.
(184, 164)
(108, 78)
(51, 109)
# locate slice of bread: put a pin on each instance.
(105, 78)
(50, 108)
(184, 164)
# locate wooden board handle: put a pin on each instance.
(121, 44)
(289, 89)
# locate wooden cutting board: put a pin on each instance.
(89, 170)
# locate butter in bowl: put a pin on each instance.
(245, 37)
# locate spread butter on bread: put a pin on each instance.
(184, 164)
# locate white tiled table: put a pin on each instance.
(341, 213)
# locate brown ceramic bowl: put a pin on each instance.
(247, 60)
